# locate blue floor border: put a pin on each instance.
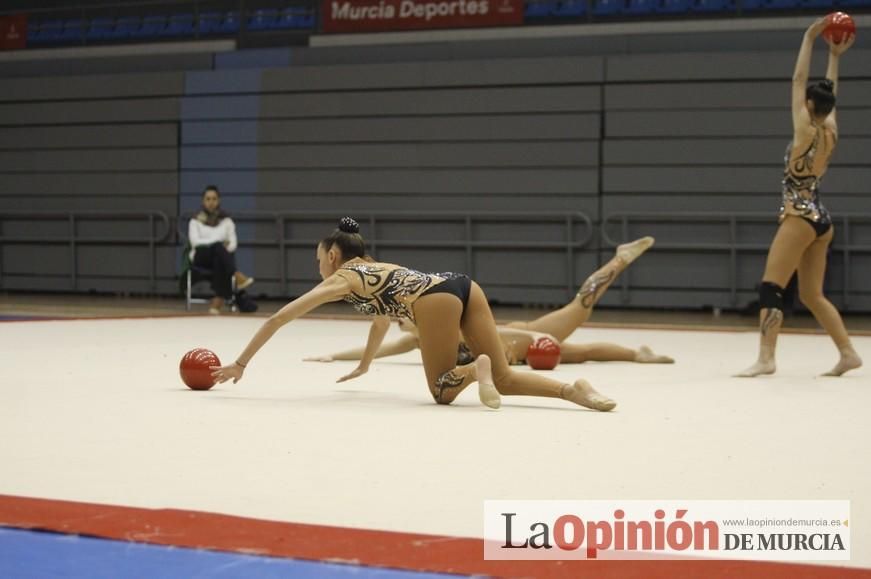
(32, 554)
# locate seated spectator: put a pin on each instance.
(212, 237)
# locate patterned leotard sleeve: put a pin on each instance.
(384, 289)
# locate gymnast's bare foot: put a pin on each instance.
(583, 394)
(486, 390)
(759, 368)
(850, 360)
(629, 252)
(645, 355)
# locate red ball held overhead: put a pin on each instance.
(840, 26)
(194, 368)
(543, 354)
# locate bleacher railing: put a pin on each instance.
(159, 226)
(578, 233)
(571, 243)
(623, 221)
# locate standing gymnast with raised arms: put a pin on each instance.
(805, 232)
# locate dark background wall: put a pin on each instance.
(659, 123)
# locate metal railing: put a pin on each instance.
(570, 244)
(843, 225)
(74, 240)
(281, 236)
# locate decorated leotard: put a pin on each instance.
(385, 289)
(801, 189)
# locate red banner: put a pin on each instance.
(13, 31)
(384, 15)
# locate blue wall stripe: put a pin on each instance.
(219, 107)
(219, 82)
(226, 157)
(237, 183)
(197, 171)
(218, 132)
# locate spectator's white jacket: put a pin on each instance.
(201, 234)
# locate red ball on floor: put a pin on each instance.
(543, 354)
(194, 368)
(840, 27)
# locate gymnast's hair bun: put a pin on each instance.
(827, 85)
(348, 225)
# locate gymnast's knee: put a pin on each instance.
(770, 296)
(502, 379)
(446, 387)
(811, 300)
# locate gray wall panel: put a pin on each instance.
(723, 151)
(108, 65)
(166, 203)
(715, 66)
(851, 151)
(92, 87)
(716, 95)
(690, 179)
(535, 71)
(107, 160)
(109, 111)
(698, 95)
(498, 125)
(762, 202)
(432, 129)
(466, 101)
(845, 180)
(434, 74)
(94, 136)
(42, 259)
(536, 154)
(704, 66)
(119, 262)
(854, 122)
(128, 184)
(699, 124)
(848, 180)
(431, 182)
(367, 202)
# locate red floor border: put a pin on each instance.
(196, 529)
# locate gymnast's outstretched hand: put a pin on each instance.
(223, 373)
(358, 371)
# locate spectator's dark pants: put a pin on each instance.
(222, 264)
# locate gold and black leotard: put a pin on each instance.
(385, 289)
(801, 189)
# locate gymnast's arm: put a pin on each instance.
(379, 328)
(835, 52)
(800, 116)
(331, 289)
(404, 344)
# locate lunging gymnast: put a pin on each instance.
(441, 308)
